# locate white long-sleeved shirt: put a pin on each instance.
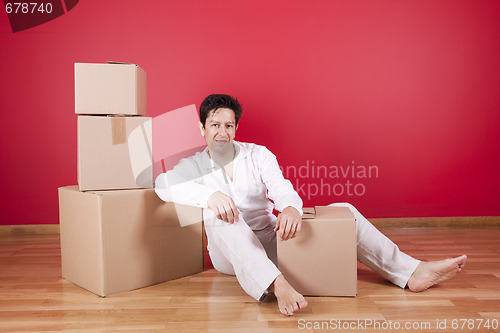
(257, 179)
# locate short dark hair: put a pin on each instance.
(219, 101)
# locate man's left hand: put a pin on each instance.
(288, 224)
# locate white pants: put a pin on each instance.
(236, 249)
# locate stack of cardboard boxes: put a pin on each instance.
(116, 234)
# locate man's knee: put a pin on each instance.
(223, 266)
(344, 204)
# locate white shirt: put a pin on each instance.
(257, 179)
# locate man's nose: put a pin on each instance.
(222, 131)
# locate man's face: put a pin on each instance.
(219, 130)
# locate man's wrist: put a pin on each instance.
(298, 210)
(208, 196)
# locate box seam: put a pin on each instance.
(102, 244)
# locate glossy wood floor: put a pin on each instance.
(34, 298)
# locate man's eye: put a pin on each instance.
(215, 125)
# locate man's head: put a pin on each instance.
(219, 116)
(219, 101)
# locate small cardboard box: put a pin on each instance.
(114, 153)
(116, 241)
(322, 259)
(112, 88)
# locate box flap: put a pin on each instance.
(329, 212)
(309, 213)
(119, 63)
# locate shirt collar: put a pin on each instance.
(240, 152)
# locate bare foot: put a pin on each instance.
(431, 273)
(289, 300)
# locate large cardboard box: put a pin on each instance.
(322, 259)
(112, 88)
(116, 241)
(114, 152)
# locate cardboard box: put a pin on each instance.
(322, 259)
(114, 152)
(116, 241)
(112, 88)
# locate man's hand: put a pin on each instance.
(288, 224)
(223, 207)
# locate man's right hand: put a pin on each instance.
(223, 207)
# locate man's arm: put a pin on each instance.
(180, 185)
(285, 198)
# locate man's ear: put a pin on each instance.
(202, 128)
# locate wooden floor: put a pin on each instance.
(34, 298)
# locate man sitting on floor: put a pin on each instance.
(235, 182)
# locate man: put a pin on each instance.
(235, 182)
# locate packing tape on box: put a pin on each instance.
(118, 130)
(309, 213)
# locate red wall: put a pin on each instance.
(411, 88)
